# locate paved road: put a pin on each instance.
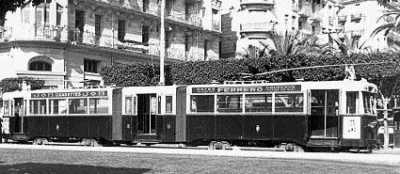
(29, 159)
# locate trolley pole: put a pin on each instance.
(385, 124)
(162, 44)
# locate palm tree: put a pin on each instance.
(346, 45)
(294, 43)
(391, 28)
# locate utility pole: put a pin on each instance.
(385, 124)
(162, 44)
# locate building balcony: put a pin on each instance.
(172, 17)
(256, 27)
(216, 4)
(32, 32)
(356, 33)
(355, 17)
(256, 4)
(216, 26)
(342, 19)
(305, 11)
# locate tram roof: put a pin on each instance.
(359, 85)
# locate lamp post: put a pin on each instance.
(162, 44)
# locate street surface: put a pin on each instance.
(30, 159)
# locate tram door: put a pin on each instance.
(147, 107)
(324, 120)
(18, 115)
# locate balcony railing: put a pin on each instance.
(257, 2)
(3, 34)
(342, 18)
(216, 3)
(355, 17)
(89, 38)
(216, 25)
(257, 27)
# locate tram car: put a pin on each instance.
(306, 115)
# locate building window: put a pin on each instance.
(145, 34)
(26, 16)
(39, 66)
(146, 4)
(58, 14)
(79, 25)
(42, 13)
(168, 35)
(169, 7)
(97, 26)
(91, 65)
(121, 30)
(187, 46)
(205, 49)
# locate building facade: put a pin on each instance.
(358, 19)
(66, 42)
(309, 17)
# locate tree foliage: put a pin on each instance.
(204, 72)
(12, 5)
(12, 84)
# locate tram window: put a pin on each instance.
(229, 103)
(128, 105)
(368, 101)
(258, 103)
(6, 107)
(38, 107)
(77, 106)
(98, 105)
(168, 104)
(202, 103)
(289, 103)
(351, 102)
(58, 106)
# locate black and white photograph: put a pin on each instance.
(199, 87)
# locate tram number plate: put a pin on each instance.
(351, 127)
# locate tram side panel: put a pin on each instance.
(290, 128)
(258, 127)
(228, 127)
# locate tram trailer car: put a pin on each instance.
(326, 114)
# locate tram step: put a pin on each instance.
(147, 139)
(323, 142)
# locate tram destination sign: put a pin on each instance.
(69, 94)
(238, 89)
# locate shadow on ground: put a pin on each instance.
(38, 168)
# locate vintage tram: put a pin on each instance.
(326, 114)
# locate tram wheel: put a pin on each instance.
(218, 145)
(40, 141)
(291, 147)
